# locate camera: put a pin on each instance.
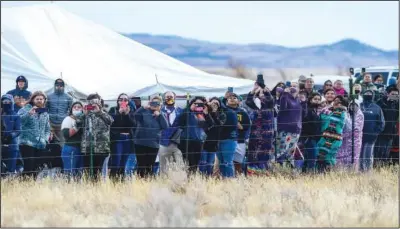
(89, 107)
(351, 70)
(41, 110)
(230, 89)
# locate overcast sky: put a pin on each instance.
(292, 24)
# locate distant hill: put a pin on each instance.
(347, 52)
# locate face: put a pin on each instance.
(77, 107)
(316, 100)
(328, 85)
(294, 84)
(123, 99)
(392, 93)
(233, 101)
(323, 104)
(155, 108)
(21, 84)
(39, 101)
(193, 106)
(339, 84)
(330, 96)
(137, 102)
(357, 87)
(169, 96)
(214, 105)
(302, 97)
(379, 80)
(309, 84)
(367, 78)
(337, 102)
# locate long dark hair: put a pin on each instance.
(312, 95)
(36, 94)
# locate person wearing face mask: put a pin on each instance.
(344, 155)
(261, 142)
(194, 122)
(357, 91)
(20, 93)
(95, 144)
(289, 124)
(332, 124)
(374, 124)
(329, 96)
(311, 132)
(390, 108)
(72, 129)
(170, 137)
(367, 83)
(327, 85)
(121, 133)
(35, 133)
(149, 124)
(59, 104)
(11, 123)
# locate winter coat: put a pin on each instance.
(290, 114)
(344, 155)
(59, 104)
(368, 86)
(311, 126)
(374, 121)
(193, 129)
(262, 129)
(211, 144)
(167, 133)
(20, 92)
(391, 113)
(244, 119)
(149, 127)
(35, 129)
(12, 126)
(96, 133)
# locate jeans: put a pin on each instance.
(206, 164)
(122, 149)
(169, 154)
(226, 151)
(310, 154)
(367, 156)
(10, 158)
(130, 165)
(72, 159)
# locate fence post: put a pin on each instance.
(187, 124)
(352, 98)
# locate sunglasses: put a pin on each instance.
(330, 85)
(123, 100)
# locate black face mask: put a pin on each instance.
(367, 98)
(357, 91)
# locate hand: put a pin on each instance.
(205, 111)
(266, 89)
(255, 88)
(96, 108)
(239, 126)
(156, 113)
(287, 90)
(33, 110)
(51, 136)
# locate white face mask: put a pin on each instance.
(257, 101)
(77, 113)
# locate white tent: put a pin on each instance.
(43, 41)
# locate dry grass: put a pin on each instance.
(336, 199)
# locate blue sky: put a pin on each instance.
(292, 24)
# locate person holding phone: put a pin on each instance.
(149, 124)
(121, 131)
(35, 133)
(261, 148)
(20, 93)
(95, 143)
(194, 122)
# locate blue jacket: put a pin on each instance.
(166, 134)
(35, 129)
(59, 104)
(390, 110)
(374, 121)
(20, 93)
(12, 125)
(148, 129)
(192, 128)
(244, 119)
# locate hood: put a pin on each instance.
(10, 97)
(55, 82)
(21, 77)
(373, 94)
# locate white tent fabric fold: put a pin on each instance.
(45, 41)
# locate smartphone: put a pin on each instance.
(154, 104)
(89, 107)
(41, 110)
(288, 84)
(351, 71)
(230, 89)
(363, 70)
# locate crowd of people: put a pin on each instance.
(292, 124)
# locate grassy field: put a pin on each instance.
(336, 199)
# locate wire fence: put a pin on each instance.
(385, 147)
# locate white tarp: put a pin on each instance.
(42, 41)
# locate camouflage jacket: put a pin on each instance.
(96, 133)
